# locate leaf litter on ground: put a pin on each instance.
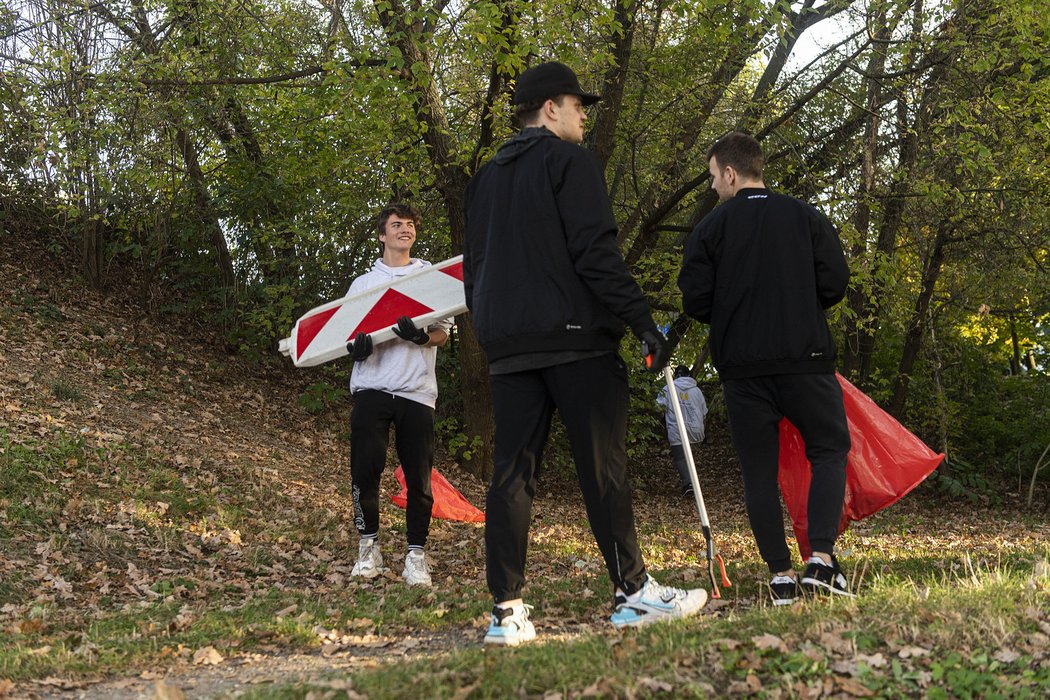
(170, 512)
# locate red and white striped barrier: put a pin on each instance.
(429, 295)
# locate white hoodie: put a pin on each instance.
(694, 408)
(398, 367)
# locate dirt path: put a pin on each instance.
(235, 676)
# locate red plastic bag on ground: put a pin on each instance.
(449, 504)
(885, 463)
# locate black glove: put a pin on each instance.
(406, 330)
(656, 350)
(360, 347)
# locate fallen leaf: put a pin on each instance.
(874, 661)
(207, 656)
(910, 652)
(599, 689)
(749, 686)
(845, 667)
(1006, 656)
(770, 641)
(464, 692)
(163, 691)
(852, 687)
(835, 643)
(655, 686)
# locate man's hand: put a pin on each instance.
(360, 347)
(655, 350)
(406, 330)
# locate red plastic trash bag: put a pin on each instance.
(885, 463)
(449, 503)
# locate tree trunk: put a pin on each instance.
(913, 338)
(858, 300)
(92, 257)
(602, 138)
(1015, 360)
(451, 180)
(208, 217)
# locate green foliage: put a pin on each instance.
(958, 478)
(319, 396)
(64, 392)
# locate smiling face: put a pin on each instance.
(398, 234)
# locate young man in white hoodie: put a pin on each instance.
(394, 382)
(694, 409)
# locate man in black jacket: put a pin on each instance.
(549, 294)
(761, 269)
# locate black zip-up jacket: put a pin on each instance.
(761, 269)
(541, 268)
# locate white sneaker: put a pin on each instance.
(417, 568)
(369, 559)
(656, 603)
(510, 626)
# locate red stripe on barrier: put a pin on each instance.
(454, 270)
(390, 307)
(309, 328)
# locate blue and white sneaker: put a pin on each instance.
(654, 603)
(510, 626)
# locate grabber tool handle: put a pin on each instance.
(705, 523)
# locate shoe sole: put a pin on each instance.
(509, 642)
(428, 582)
(784, 601)
(820, 587)
(368, 575)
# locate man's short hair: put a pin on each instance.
(399, 209)
(741, 151)
(527, 112)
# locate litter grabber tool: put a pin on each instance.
(705, 524)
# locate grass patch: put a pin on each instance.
(129, 560)
(66, 392)
(944, 635)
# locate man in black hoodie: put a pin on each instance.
(761, 269)
(549, 294)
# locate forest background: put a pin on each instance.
(223, 159)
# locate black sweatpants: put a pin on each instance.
(370, 421)
(591, 397)
(813, 403)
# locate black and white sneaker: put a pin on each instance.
(783, 590)
(821, 578)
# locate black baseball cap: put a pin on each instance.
(548, 80)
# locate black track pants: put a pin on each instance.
(813, 403)
(591, 398)
(680, 463)
(370, 421)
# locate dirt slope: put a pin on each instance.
(189, 474)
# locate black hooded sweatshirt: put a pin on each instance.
(541, 268)
(761, 269)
